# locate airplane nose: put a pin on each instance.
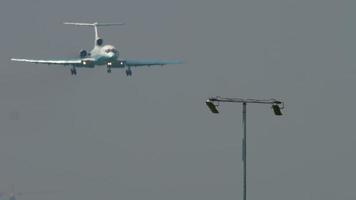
(111, 55)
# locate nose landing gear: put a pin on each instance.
(73, 71)
(108, 67)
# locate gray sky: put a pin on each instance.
(99, 136)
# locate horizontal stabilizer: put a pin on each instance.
(95, 25)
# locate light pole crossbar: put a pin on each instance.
(240, 100)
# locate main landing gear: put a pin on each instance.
(128, 72)
(73, 71)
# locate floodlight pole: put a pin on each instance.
(244, 150)
(275, 105)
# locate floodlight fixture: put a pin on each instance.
(277, 106)
(276, 109)
(212, 106)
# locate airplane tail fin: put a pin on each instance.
(98, 41)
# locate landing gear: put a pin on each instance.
(73, 71)
(128, 72)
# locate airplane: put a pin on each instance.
(13, 195)
(100, 55)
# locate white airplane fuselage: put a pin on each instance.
(104, 54)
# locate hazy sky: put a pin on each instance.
(105, 136)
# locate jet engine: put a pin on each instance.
(99, 42)
(83, 53)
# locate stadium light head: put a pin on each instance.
(212, 106)
(276, 109)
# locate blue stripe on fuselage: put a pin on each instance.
(103, 60)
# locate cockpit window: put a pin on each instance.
(110, 50)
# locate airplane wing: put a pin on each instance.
(75, 62)
(140, 63)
